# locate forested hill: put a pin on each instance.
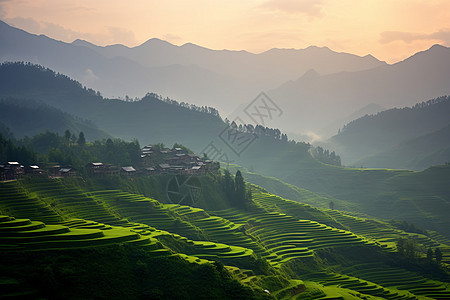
(373, 134)
(415, 154)
(152, 119)
(28, 118)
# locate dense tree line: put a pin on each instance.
(202, 109)
(236, 191)
(11, 152)
(259, 130)
(325, 156)
(431, 102)
(393, 115)
(69, 150)
(39, 77)
(409, 249)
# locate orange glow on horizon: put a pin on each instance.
(390, 30)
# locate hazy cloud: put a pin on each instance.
(442, 35)
(89, 76)
(311, 8)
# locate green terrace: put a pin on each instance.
(387, 235)
(69, 201)
(400, 279)
(235, 237)
(299, 210)
(17, 202)
(26, 235)
(377, 231)
(218, 229)
(106, 207)
(287, 238)
(361, 286)
(140, 209)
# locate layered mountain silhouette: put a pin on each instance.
(314, 102)
(220, 78)
(334, 88)
(411, 138)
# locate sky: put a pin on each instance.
(390, 30)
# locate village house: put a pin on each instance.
(34, 170)
(129, 171)
(11, 170)
(98, 168)
(174, 161)
(67, 172)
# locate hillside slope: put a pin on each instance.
(374, 134)
(279, 245)
(312, 103)
(415, 154)
(146, 119)
(29, 118)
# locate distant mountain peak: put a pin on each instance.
(311, 73)
(438, 46)
(194, 46)
(433, 51)
(80, 42)
(156, 41)
(314, 47)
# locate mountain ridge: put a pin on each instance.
(237, 76)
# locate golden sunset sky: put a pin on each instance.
(391, 30)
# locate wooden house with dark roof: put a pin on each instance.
(34, 170)
(128, 170)
(11, 170)
(67, 172)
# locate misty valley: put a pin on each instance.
(181, 172)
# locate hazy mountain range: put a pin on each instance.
(410, 138)
(317, 90)
(223, 79)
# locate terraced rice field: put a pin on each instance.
(145, 210)
(384, 233)
(26, 235)
(72, 202)
(401, 279)
(361, 286)
(226, 243)
(287, 238)
(232, 236)
(379, 232)
(16, 202)
(218, 229)
(272, 202)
